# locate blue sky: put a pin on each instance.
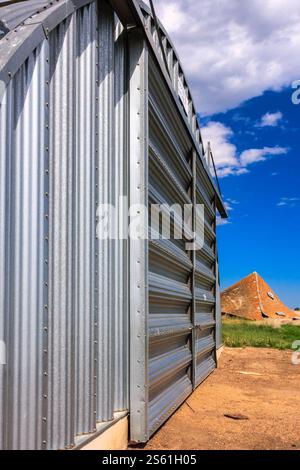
(263, 229)
(240, 60)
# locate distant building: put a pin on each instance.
(253, 299)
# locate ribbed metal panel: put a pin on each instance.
(85, 223)
(107, 184)
(63, 294)
(170, 265)
(121, 339)
(22, 246)
(87, 118)
(5, 110)
(61, 353)
(182, 284)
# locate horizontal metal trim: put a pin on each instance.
(163, 287)
(168, 173)
(201, 194)
(205, 325)
(167, 402)
(181, 166)
(155, 197)
(184, 118)
(203, 272)
(207, 253)
(204, 345)
(204, 370)
(165, 249)
(164, 367)
(209, 231)
(157, 115)
(155, 332)
(204, 296)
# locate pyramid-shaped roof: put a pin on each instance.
(253, 299)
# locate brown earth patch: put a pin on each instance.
(260, 384)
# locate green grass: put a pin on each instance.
(242, 333)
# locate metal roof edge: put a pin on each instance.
(20, 42)
(129, 12)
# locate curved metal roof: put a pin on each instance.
(24, 24)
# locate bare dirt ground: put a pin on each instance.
(260, 384)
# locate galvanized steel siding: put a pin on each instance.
(62, 152)
(170, 265)
(81, 124)
(181, 284)
(121, 279)
(22, 200)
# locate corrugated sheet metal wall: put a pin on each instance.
(22, 247)
(67, 145)
(62, 152)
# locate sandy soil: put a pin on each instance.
(260, 384)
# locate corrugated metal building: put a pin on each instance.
(94, 105)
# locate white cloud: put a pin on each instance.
(221, 222)
(232, 50)
(270, 119)
(227, 159)
(260, 155)
(288, 201)
(219, 136)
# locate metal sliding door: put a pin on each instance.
(172, 307)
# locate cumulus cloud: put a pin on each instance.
(259, 155)
(227, 159)
(234, 51)
(270, 119)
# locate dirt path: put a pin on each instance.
(261, 384)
